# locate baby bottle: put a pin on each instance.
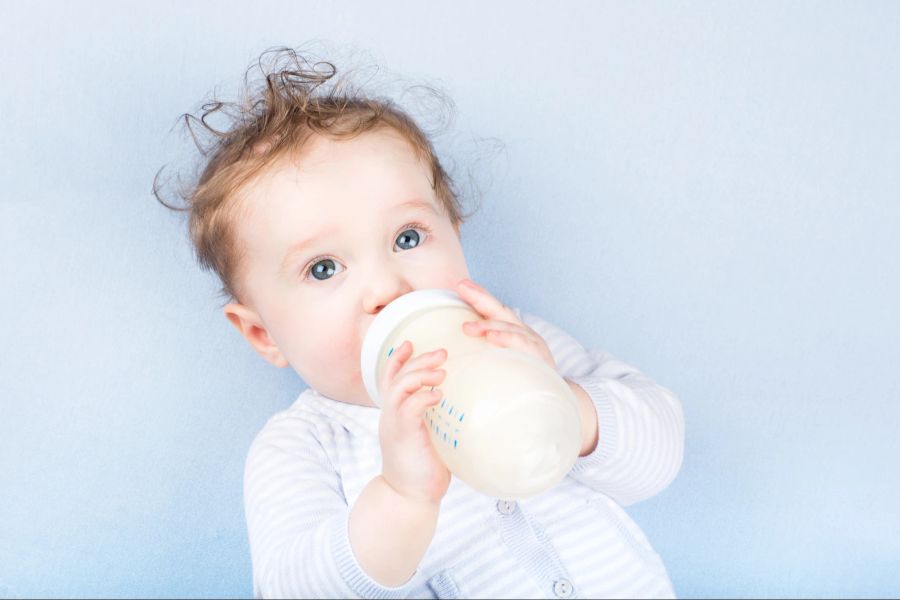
(507, 423)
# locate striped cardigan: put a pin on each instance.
(310, 462)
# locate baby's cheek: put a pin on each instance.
(336, 361)
(346, 350)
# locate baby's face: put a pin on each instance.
(329, 244)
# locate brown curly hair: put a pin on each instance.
(268, 123)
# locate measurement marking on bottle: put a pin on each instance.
(436, 418)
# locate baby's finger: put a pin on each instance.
(428, 359)
(413, 408)
(410, 382)
(395, 362)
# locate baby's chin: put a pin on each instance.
(356, 393)
(361, 398)
(360, 391)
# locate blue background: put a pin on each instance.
(708, 190)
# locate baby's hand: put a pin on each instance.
(410, 464)
(500, 325)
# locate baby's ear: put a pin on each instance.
(248, 323)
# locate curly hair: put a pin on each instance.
(278, 118)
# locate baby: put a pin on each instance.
(318, 209)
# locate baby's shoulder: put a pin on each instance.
(303, 422)
(294, 442)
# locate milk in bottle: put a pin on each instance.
(507, 424)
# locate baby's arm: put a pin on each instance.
(640, 441)
(298, 520)
(304, 540)
(296, 514)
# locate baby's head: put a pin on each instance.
(316, 210)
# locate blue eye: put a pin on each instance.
(412, 240)
(322, 268)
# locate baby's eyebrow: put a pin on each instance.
(414, 204)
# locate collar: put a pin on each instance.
(359, 420)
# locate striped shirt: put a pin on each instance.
(310, 462)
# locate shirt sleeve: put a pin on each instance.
(640, 444)
(297, 520)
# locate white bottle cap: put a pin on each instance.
(390, 317)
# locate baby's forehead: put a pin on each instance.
(371, 164)
(365, 187)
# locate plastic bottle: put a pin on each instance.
(508, 424)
